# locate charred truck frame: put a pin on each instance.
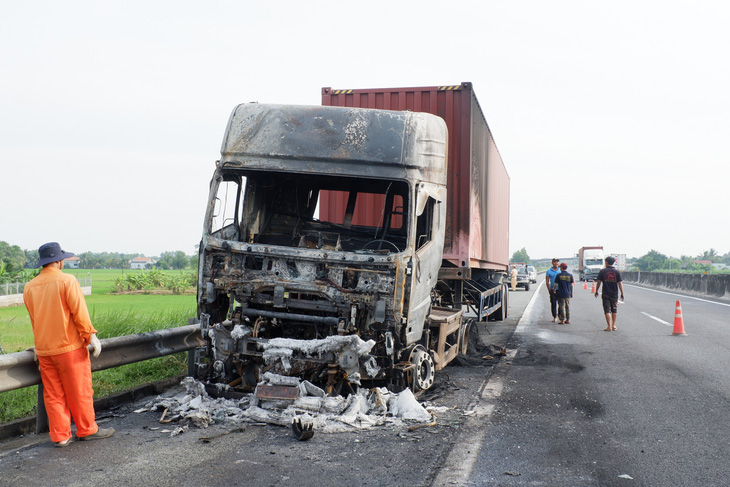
(322, 254)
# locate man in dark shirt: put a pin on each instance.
(610, 277)
(564, 291)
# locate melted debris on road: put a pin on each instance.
(364, 409)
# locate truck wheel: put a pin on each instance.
(465, 331)
(501, 313)
(425, 369)
(527, 287)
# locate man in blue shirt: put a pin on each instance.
(563, 286)
(549, 282)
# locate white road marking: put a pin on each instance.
(684, 296)
(458, 466)
(526, 315)
(657, 319)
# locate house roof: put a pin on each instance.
(72, 258)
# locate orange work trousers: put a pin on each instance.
(67, 392)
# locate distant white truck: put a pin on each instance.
(590, 262)
(620, 261)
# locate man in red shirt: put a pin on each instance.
(61, 330)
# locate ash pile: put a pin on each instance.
(283, 400)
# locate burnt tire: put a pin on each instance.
(464, 332)
(502, 311)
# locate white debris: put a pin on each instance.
(307, 388)
(437, 409)
(240, 331)
(309, 403)
(280, 380)
(371, 367)
(283, 349)
(178, 430)
(406, 406)
(626, 476)
(365, 409)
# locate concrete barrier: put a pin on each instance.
(711, 285)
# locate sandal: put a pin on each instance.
(64, 443)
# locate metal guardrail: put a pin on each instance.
(19, 370)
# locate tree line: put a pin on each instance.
(656, 261)
(16, 264)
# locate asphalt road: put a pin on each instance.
(639, 406)
(265, 455)
(570, 405)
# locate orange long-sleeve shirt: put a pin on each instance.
(58, 312)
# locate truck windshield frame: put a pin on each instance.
(283, 209)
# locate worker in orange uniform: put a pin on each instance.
(62, 329)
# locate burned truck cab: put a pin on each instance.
(297, 274)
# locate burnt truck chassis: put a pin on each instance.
(331, 327)
(343, 300)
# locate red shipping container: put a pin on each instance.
(478, 186)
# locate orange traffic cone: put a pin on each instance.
(585, 284)
(678, 321)
(593, 287)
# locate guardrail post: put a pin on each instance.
(191, 362)
(41, 421)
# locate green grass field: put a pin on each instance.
(15, 329)
(112, 315)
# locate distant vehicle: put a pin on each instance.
(620, 263)
(532, 273)
(590, 262)
(523, 279)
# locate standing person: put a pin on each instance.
(610, 277)
(564, 283)
(61, 331)
(513, 278)
(550, 282)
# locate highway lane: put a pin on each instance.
(582, 406)
(704, 354)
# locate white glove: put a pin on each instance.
(95, 344)
(35, 357)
